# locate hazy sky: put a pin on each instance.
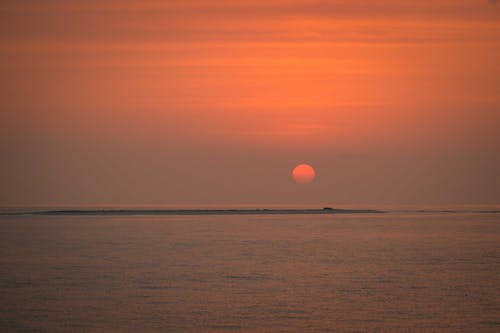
(201, 102)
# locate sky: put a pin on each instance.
(200, 102)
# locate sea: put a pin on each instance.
(397, 271)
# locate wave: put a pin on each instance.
(326, 210)
(258, 211)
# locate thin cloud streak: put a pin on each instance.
(202, 21)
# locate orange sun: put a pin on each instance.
(303, 174)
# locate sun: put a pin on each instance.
(303, 174)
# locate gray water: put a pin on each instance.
(395, 272)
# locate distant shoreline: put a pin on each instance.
(255, 211)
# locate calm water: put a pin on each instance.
(300, 273)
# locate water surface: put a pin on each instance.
(404, 272)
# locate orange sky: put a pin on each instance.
(214, 102)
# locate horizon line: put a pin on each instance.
(231, 211)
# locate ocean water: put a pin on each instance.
(394, 272)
